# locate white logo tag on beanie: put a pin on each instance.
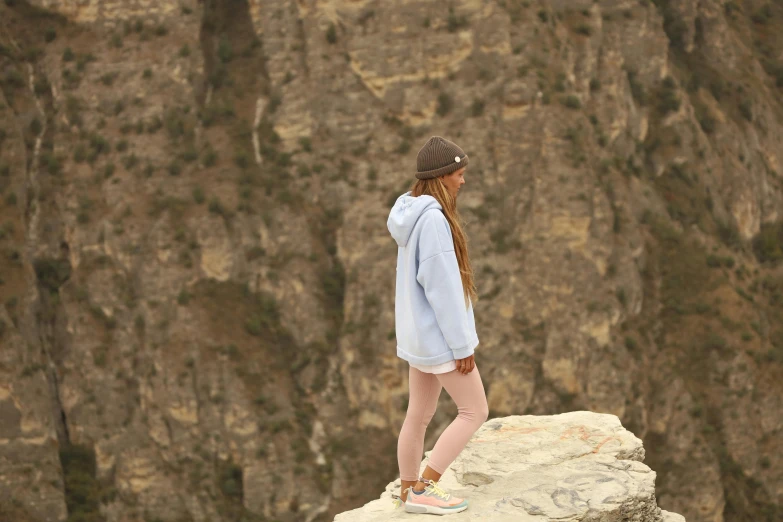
(456, 158)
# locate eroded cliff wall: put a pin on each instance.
(197, 281)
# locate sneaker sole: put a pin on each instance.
(435, 510)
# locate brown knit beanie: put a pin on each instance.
(439, 156)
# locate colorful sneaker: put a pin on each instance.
(397, 500)
(434, 500)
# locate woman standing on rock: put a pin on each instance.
(434, 323)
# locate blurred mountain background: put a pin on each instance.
(197, 282)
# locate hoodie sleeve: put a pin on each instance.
(439, 275)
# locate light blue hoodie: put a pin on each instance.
(431, 322)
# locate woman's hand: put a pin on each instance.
(466, 365)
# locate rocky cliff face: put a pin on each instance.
(573, 466)
(197, 282)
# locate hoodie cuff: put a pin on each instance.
(466, 351)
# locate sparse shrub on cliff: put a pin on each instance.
(184, 297)
(31, 54)
(673, 23)
(52, 273)
(130, 161)
(265, 318)
(189, 155)
(455, 23)
(13, 78)
(210, 156)
(560, 82)
(175, 167)
(500, 237)
(584, 29)
(716, 342)
(83, 59)
(705, 119)
(283, 159)
(637, 89)
(777, 73)
(80, 153)
(217, 207)
(85, 205)
(242, 159)
(331, 34)
(746, 109)
(108, 170)
(83, 491)
(51, 163)
(306, 144)
(715, 261)
(718, 88)
(174, 122)
(403, 147)
(763, 15)
(477, 108)
(154, 125)
(98, 145)
(728, 233)
(50, 34)
(108, 78)
(275, 99)
(161, 203)
(225, 51)
(198, 194)
(444, 104)
(286, 197)
(571, 101)
(266, 133)
(116, 40)
(767, 243)
(731, 8)
(668, 101)
(229, 478)
(683, 195)
(36, 126)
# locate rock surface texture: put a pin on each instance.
(577, 466)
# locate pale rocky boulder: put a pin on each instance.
(576, 466)
(671, 517)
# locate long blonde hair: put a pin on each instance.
(435, 188)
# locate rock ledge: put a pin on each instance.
(576, 466)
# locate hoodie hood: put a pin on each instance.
(406, 212)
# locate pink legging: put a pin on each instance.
(466, 391)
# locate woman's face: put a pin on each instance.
(454, 181)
